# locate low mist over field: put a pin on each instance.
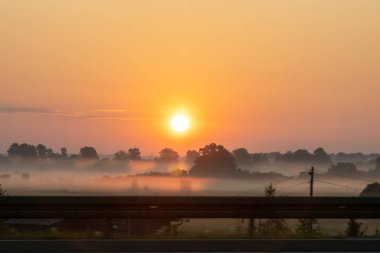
(212, 170)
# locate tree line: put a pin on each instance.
(212, 160)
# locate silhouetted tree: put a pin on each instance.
(344, 169)
(299, 156)
(308, 226)
(350, 157)
(259, 160)
(64, 152)
(214, 161)
(242, 157)
(320, 156)
(168, 155)
(27, 150)
(134, 154)
(23, 150)
(88, 152)
(13, 150)
(371, 190)
(302, 155)
(41, 150)
(276, 226)
(50, 153)
(270, 191)
(354, 228)
(377, 163)
(191, 155)
(376, 171)
(121, 155)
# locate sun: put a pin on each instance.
(180, 123)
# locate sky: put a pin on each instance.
(267, 75)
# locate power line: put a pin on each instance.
(262, 187)
(255, 189)
(339, 175)
(294, 185)
(345, 186)
(274, 184)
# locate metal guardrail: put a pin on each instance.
(189, 207)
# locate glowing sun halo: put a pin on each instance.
(180, 123)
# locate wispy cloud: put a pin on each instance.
(115, 114)
(28, 110)
(115, 118)
(111, 110)
(96, 114)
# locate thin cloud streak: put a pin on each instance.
(116, 118)
(98, 114)
(112, 110)
(28, 110)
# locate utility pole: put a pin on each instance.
(311, 173)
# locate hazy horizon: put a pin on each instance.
(264, 75)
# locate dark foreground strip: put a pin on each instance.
(247, 245)
(189, 207)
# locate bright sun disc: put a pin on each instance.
(180, 123)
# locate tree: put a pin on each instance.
(23, 150)
(270, 191)
(308, 226)
(371, 190)
(63, 152)
(320, 156)
(41, 150)
(377, 163)
(302, 155)
(13, 150)
(168, 155)
(121, 155)
(242, 157)
(214, 161)
(259, 160)
(299, 156)
(344, 169)
(134, 154)
(273, 226)
(50, 153)
(276, 226)
(354, 228)
(88, 152)
(191, 155)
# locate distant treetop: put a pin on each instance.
(214, 161)
(88, 152)
(168, 155)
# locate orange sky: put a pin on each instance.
(265, 75)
